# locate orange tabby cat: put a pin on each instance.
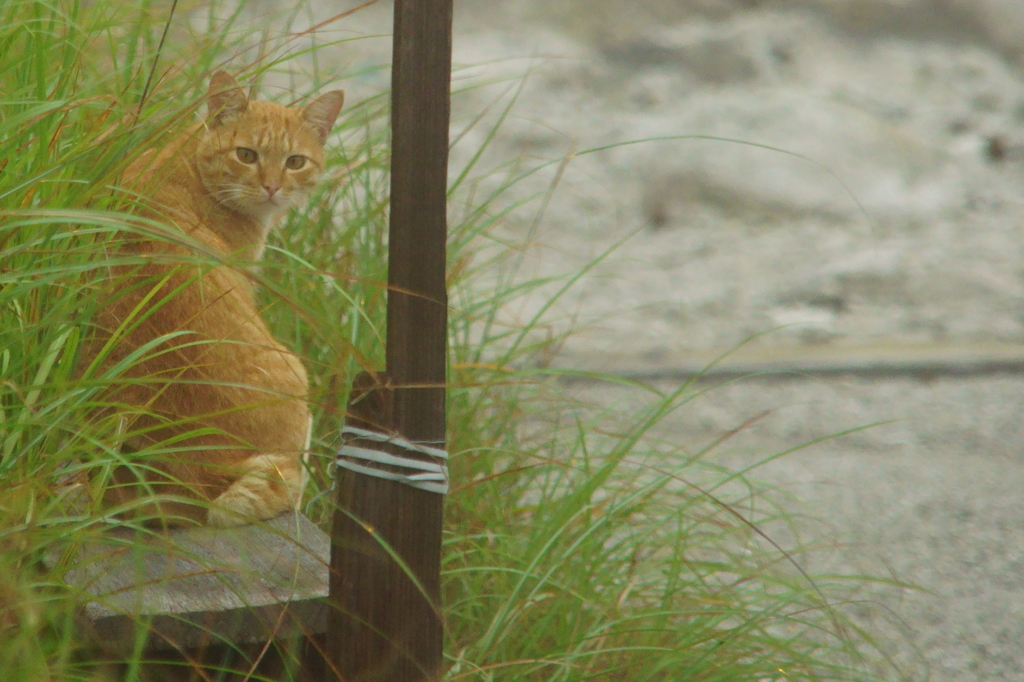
(220, 408)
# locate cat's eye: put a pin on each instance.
(295, 162)
(246, 155)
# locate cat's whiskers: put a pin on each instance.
(242, 198)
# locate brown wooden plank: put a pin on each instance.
(201, 586)
(372, 635)
(383, 627)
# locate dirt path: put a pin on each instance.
(931, 497)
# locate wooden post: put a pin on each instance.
(383, 627)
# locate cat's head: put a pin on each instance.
(261, 158)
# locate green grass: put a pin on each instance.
(576, 546)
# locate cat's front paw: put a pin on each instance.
(270, 485)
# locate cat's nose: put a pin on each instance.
(271, 189)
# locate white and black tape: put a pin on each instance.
(429, 476)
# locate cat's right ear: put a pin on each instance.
(225, 100)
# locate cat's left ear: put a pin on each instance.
(224, 100)
(321, 113)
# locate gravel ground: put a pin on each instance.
(931, 497)
(872, 192)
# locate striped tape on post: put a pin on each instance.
(429, 476)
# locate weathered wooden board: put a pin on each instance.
(202, 586)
